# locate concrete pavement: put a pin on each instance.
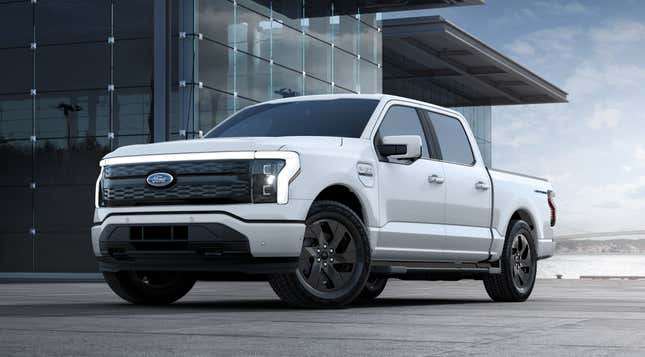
(563, 317)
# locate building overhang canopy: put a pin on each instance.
(297, 9)
(430, 52)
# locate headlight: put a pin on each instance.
(265, 184)
(283, 167)
(98, 191)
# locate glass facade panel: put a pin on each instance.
(16, 24)
(72, 114)
(345, 70)
(253, 77)
(287, 46)
(16, 209)
(369, 39)
(15, 163)
(55, 157)
(314, 86)
(216, 66)
(253, 33)
(78, 201)
(286, 82)
(317, 58)
(71, 21)
(16, 112)
(132, 63)
(214, 106)
(369, 77)
(73, 66)
(215, 20)
(344, 29)
(16, 71)
(133, 111)
(132, 18)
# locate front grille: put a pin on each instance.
(195, 182)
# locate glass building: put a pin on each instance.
(79, 78)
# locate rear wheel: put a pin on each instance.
(334, 261)
(518, 265)
(150, 288)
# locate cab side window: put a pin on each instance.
(401, 120)
(453, 142)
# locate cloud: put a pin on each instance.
(605, 118)
(619, 32)
(554, 7)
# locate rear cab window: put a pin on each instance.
(454, 145)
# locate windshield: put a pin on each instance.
(336, 117)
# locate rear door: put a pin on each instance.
(468, 189)
(411, 207)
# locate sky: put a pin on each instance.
(592, 149)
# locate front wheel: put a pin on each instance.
(334, 262)
(518, 265)
(150, 288)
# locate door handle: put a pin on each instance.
(481, 185)
(436, 179)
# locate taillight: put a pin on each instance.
(550, 196)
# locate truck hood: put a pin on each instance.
(224, 144)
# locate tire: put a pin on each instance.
(334, 263)
(518, 266)
(373, 288)
(150, 288)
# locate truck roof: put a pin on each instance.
(384, 97)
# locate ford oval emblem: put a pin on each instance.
(160, 179)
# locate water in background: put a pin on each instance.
(573, 266)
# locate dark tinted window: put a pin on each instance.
(401, 120)
(453, 141)
(336, 117)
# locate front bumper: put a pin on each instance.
(207, 242)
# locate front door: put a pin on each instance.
(411, 196)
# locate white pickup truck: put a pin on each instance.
(326, 197)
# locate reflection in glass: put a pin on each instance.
(15, 117)
(16, 72)
(16, 24)
(52, 252)
(253, 79)
(317, 58)
(214, 107)
(314, 86)
(69, 161)
(286, 83)
(344, 29)
(369, 77)
(72, 114)
(15, 163)
(69, 67)
(215, 20)
(133, 18)
(133, 63)
(16, 209)
(72, 21)
(78, 201)
(133, 111)
(253, 33)
(216, 65)
(287, 46)
(345, 70)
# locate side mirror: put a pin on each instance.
(401, 147)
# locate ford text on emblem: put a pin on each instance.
(160, 179)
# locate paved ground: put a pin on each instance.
(563, 317)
